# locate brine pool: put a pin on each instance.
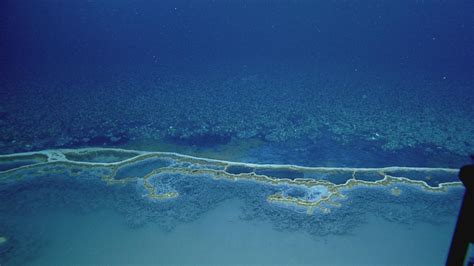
(113, 206)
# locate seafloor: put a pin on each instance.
(96, 206)
(233, 132)
(278, 113)
(292, 165)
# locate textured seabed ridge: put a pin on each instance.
(316, 106)
(169, 189)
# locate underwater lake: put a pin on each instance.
(101, 206)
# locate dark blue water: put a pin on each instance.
(46, 36)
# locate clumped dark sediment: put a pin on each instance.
(212, 109)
